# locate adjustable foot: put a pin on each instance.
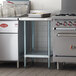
(17, 64)
(57, 65)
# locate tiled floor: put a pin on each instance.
(9, 69)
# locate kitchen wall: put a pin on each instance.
(1, 1)
(51, 5)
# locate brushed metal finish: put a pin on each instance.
(66, 35)
(9, 41)
(9, 19)
(8, 47)
(64, 29)
(63, 41)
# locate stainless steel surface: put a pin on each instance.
(64, 29)
(9, 19)
(66, 35)
(9, 40)
(34, 19)
(64, 39)
(64, 17)
(17, 64)
(8, 26)
(8, 47)
(57, 65)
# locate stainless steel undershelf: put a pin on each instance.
(37, 54)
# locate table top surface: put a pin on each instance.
(34, 19)
(26, 19)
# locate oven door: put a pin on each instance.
(64, 43)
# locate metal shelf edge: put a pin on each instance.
(36, 56)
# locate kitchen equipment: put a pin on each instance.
(64, 38)
(32, 52)
(39, 14)
(15, 8)
(9, 40)
(22, 8)
(8, 9)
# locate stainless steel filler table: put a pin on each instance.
(37, 54)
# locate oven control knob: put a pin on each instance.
(57, 24)
(71, 47)
(70, 24)
(64, 24)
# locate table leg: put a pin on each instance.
(33, 36)
(57, 65)
(49, 44)
(24, 43)
(17, 64)
(33, 39)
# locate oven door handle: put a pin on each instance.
(66, 34)
(64, 29)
